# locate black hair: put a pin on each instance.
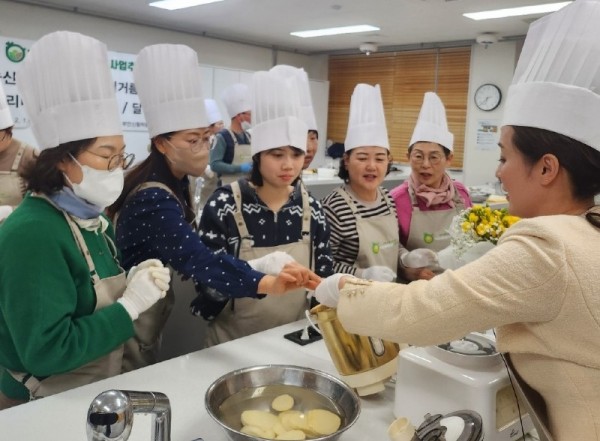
(155, 164)
(315, 132)
(343, 171)
(43, 175)
(255, 176)
(581, 161)
(8, 130)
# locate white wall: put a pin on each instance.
(494, 64)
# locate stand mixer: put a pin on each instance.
(463, 374)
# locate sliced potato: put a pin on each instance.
(283, 402)
(253, 431)
(293, 419)
(323, 421)
(259, 418)
(292, 435)
(279, 429)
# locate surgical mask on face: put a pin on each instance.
(98, 187)
(246, 125)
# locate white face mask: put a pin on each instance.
(246, 125)
(98, 187)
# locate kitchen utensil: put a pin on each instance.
(464, 374)
(254, 388)
(363, 362)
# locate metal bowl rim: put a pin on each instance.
(235, 372)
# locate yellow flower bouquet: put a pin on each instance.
(480, 223)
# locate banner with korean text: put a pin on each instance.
(121, 66)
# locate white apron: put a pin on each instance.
(142, 350)
(378, 237)
(241, 155)
(245, 316)
(11, 184)
(107, 290)
(428, 229)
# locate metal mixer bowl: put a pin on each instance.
(254, 388)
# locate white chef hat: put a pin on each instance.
(366, 125)
(212, 111)
(6, 119)
(556, 85)
(168, 82)
(236, 99)
(68, 90)
(276, 113)
(432, 125)
(307, 113)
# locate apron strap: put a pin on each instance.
(346, 196)
(18, 157)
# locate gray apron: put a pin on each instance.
(245, 316)
(241, 154)
(428, 229)
(142, 349)
(107, 290)
(11, 184)
(378, 237)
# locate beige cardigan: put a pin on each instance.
(540, 287)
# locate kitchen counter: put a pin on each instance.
(184, 380)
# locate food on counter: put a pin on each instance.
(283, 402)
(289, 424)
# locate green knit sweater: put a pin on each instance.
(47, 320)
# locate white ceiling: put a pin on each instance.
(403, 23)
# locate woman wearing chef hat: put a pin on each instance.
(208, 183)
(155, 219)
(428, 200)
(66, 307)
(361, 215)
(539, 287)
(267, 213)
(15, 156)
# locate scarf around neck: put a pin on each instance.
(86, 215)
(434, 196)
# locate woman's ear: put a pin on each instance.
(548, 168)
(159, 142)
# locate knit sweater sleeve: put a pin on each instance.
(152, 225)
(507, 285)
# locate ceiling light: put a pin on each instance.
(513, 12)
(334, 31)
(180, 4)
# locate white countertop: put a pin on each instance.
(185, 380)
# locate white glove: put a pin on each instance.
(144, 264)
(5, 210)
(272, 263)
(378, 273)
(146, 287)
(419, 258)
(328, 291)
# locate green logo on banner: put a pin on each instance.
(14, 52)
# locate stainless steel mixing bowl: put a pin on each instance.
(255, 387)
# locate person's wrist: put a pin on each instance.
(265, 285)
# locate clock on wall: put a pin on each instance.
(488, 97)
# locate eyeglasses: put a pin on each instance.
(6, 134)
(419, 158)
(116, 161)
(195, 146)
